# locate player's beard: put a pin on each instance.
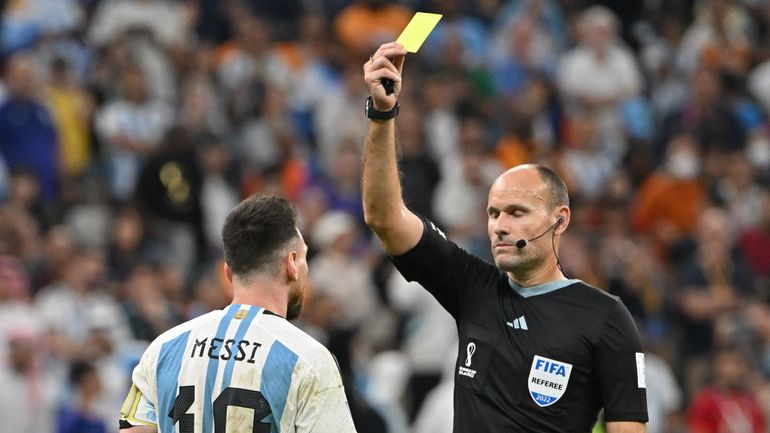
(296, 303)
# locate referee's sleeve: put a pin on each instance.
(432, 263)
(619, 365)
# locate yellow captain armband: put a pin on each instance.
(138, 410)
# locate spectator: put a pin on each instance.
(527, 51)
(339, 272)
(670, 199)
(456, 27)
(600, 74)
(28, 138)
(71, 308)
(460, 198)
(429, 336)
(129, 243)
(218, 189)
(421, 171)
(211, 292)
(131, 128)
(169, 190)
(713, 282)
(333, 111)
(26, 21)
(728, 403)
(548, 14)
(664, 397)
(147, 311)
(436, 414)
(738, 191)
(79, 416)
(71, 107)
(31, 392)
(705, 115)
(719, 37)
(202, 108)
(340, 179)
(167, 22)
(365, 24)
(586, 160)
(24, 195)
(755, 242)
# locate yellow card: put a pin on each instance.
(417, 30)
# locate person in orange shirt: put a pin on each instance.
(518, 146)
(365, 24)
(669, 200)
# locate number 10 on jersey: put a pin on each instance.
(236, 397)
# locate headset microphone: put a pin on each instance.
(521, 243)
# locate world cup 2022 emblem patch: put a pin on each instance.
(548, 380)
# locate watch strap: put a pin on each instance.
(373, 113)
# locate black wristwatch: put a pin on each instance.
(373, 113)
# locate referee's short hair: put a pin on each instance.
(256, 233)
(556, 186)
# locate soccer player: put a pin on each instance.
(245, 368)
(538, 352)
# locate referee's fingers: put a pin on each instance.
(383, 62)
(377, 75)
(391, 50)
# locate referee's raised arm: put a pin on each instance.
(397, 227)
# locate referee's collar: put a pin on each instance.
(540, 289)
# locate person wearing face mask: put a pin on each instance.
(670, 199)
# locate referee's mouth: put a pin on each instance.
(502, 245)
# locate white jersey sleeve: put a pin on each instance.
(321, 403)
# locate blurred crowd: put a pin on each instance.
(130, 128)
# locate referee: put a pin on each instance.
(538, 352)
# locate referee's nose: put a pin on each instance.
(502, 225)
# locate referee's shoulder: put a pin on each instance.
(595, 294)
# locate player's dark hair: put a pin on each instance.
(256, 232)
(556, 186)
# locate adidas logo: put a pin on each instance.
(518, 323)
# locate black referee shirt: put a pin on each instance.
(540, 359)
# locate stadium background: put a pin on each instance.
(129, 128)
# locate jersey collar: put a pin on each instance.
(540, 289)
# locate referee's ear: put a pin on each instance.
(562, 221)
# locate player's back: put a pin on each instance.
(239, 370)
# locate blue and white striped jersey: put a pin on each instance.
(237, 370)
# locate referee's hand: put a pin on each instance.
(386, 62)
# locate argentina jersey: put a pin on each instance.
(238, 370)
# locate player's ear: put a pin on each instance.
(292, 270)
(228, 272)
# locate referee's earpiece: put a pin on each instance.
(521, 243)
